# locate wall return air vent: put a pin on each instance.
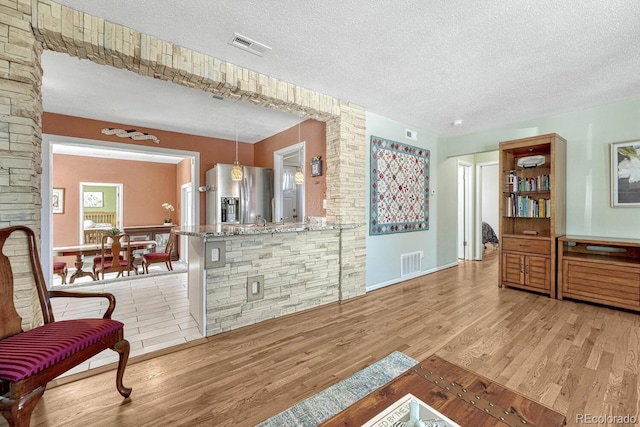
(249, 45)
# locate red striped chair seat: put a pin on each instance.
(27, 353)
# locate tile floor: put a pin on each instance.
(154, 309)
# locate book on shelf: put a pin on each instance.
(541, 208)
(527, 207)
(517, 184)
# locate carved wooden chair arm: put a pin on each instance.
(108, 296)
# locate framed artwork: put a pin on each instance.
(399, 191)
(57, 201)
(92, 199)
(316, 166)
(625, 174)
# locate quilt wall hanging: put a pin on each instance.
(399, 190)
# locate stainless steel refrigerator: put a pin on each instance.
(238, 202)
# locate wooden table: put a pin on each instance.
(465, 400)
(94, 249)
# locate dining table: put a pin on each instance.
(94, 249)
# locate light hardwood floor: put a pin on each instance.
(574, 357)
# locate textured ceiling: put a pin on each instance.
(422, 63)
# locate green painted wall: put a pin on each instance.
(384, 251)
(589, 134)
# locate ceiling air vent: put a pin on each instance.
(245, 43)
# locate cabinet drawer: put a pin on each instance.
(596, 281)
(534, 246)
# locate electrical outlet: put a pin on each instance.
(255, 288)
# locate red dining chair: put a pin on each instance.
(155, 257)
(60, 268)
(112, 248)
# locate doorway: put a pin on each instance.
(52, 144)
(100, 209)
(288, 196)
(487, 202)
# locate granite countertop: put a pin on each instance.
(247, 229)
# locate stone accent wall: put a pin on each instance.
(28, 26)
(346, 151)
(301, 271)
(20, 139)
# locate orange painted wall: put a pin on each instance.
(145, 187)
(212, 150)
(314, 134)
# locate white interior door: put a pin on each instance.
(186, 218)
(464, 210)
(280, 158)
(289, 196)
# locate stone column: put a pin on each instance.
(346, 190)
(20, 139)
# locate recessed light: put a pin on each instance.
(456, 122)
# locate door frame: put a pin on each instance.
(47, 186)
(278, 169)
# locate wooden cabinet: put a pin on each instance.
(599, 269)
(532, 211)
(526, 270)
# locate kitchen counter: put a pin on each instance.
(244, 229)
(244, 274)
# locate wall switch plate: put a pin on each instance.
(324, 203)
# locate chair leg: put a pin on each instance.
(122, 347)
(64, 276)
(18, 412)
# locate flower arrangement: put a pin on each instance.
(169, 208)
(113, 232)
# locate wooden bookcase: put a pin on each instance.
(532, 211)
(600, 269)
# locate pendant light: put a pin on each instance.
(299, 176)
(236, 170)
